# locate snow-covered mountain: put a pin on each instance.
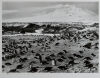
(60, 13)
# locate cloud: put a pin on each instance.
(9, 11)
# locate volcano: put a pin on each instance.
(60, 13)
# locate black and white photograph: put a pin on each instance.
(50, 37)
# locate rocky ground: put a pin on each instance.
(76, 54)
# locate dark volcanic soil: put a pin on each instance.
(50, 54)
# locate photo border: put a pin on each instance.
(45, 75)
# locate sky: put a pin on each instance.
(21, 9)
(50, 0)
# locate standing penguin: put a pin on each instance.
(53, 62)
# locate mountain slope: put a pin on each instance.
(61, 13)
